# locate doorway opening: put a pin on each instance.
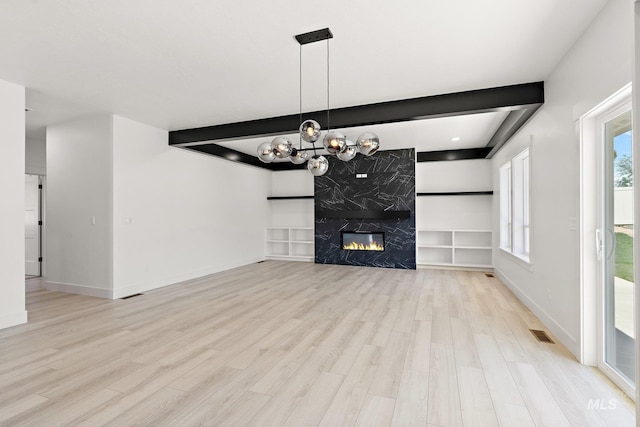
(33, 224)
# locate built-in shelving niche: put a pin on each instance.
(290, 243)
(455, 248)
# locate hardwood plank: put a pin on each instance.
(61, 413)
(385, 325)
(424, 309)
(444, 396)
(411, 403)
(475, 399)
(144, 410)
(501, 383)
(376, 412)
(278, 376)
(353, 348)
(513, 415)
(350, 397)
(18, 407)
(194, 407)
(242, 410)
(542, 406)
(465, 350)
(311, 408)
(390, 367)
(419, 351)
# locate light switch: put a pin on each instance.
(573, 223)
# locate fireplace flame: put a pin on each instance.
(353, 246)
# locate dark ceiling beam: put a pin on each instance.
(510, 125)
(240, 157)
(452, 104)
(445, 155)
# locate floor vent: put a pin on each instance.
(489, 274)
(131, 296)
(541, 336)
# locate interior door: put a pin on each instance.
(32, 225)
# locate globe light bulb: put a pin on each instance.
(265, 153)
(349, 152)
(334, 142)
(310, 131)
(281, 147)
(318, 165)
(368, 143)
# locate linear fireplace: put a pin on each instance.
(363, 240)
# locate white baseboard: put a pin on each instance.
(13, 319)
(140, 287)
(79, 289)
(563, 336)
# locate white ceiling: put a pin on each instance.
(190, 63)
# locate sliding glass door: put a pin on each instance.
(615, 238)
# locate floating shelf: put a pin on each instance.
(368, 214)
(458, 193)
(289, 197)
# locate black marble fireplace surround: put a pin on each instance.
(381, 199)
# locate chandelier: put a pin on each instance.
(336, 143)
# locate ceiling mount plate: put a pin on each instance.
(314, 36)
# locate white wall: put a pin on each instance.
(179, 215)
(454, 212)
(36, 157)
(292, 213)
(598, 65)
(12, 137)
(162, 215)
(78, 199)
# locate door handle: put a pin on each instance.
(598, 244)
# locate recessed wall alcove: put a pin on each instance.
(375, 194)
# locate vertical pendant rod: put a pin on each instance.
(300, 78)
(328, 89)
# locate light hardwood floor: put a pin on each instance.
(298, 344)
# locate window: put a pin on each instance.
(514, 206)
